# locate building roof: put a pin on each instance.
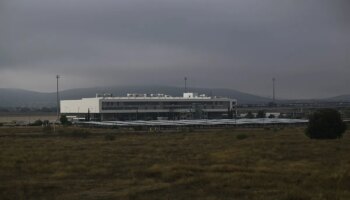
(132, 96)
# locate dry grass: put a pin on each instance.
(213, 164)
(30, 117)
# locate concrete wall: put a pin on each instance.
(81, 106)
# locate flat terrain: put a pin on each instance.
(204, 164)
(28, 118)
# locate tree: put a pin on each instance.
(250, 115)
(325, 124)
(261, 114)
(271, 116)
(64, 120)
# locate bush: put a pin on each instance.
(271, 116)
(47, 129)
(139, 128)
(46, 122)
(250, 115)
(37, 123)
(81, 133)
(1, 124)
(78, 133)
(325, 124)
(110, 137)
(241, 136)
(261, 114)
(191, 129)
(64, 120)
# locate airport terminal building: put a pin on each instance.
(148, 107)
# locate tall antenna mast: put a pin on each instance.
(185, 84)
(273, 90)
(58, 99)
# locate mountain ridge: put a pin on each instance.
(13, 97)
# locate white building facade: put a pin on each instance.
(149, 107)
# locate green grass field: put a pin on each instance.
(204, 164)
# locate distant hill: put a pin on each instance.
(344, 98)
(25, 98)
(18, 97)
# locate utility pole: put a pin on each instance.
(273, 90)
(236, 113)
(185, 84)
(58, 99)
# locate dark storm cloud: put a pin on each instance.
(237, 44)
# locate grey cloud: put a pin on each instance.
(237, 44)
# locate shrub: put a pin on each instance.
(271, 116)
(46, 122)
(261, 114)
(325, 124)
(250, 115)
(241, 136)
(78, 133)
(110, 137)
(37, 123)
(1, 124)
(64, 120)
(47, 129)
(138, 128)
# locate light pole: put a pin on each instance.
(236, 113)
(273, 90)
(185, 84)
(58, 98)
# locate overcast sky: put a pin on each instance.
(236, 44)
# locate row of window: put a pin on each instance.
(162, 107)
(195, 107)
(211, 103)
